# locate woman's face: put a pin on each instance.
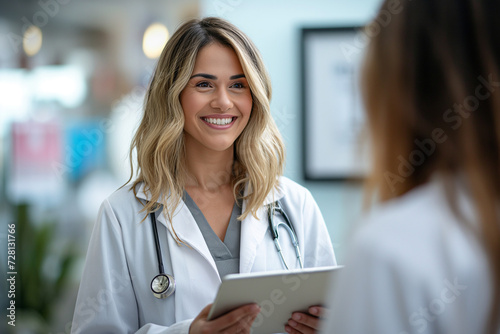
(217, 101)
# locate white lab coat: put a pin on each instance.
(413, 267)
(115, 294)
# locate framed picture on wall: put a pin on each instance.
(333, 116)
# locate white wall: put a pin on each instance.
(274, 26)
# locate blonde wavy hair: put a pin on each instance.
(159, 140)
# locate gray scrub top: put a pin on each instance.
(226, 254)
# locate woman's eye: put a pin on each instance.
(203, 84)
(238, 85)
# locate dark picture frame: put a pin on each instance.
(332, 110)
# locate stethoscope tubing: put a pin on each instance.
(272, 208)
(276, 207)
(157, 243)
(162, 285)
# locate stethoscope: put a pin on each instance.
(273, 208)
(163, 285)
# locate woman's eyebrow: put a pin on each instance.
(237, 76)
(204, 75)
(213, 77)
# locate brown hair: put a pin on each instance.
(159, 140)
(433, 102)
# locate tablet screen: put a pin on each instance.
(279, 293)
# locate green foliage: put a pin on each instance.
(39, 290)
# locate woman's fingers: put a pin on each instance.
(243, 326)
(319, 311)
(303, 323)
(306, 322)
(237, 321)
(244, 315)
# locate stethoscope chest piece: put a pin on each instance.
(163, 285)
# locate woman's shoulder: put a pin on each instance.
(123, 193)
(122, 209)
(292, 191)
(416, 244)
(286, 186)
(123, 198)
(420, 211)
(409, 231)
(423, 209)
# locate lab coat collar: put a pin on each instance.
(141, 192)
(252, 228)
(274, 195)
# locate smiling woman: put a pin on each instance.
(210, 162)
(216, 101)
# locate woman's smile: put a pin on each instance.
(219, 122)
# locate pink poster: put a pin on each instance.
(35, 147)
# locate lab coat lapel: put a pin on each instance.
(187, 266)
(252, 234)
(185, 228)
(253, 231)
(188, 231)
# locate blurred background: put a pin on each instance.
(72, 79)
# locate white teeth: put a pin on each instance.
(218, 121)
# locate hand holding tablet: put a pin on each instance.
(278, 293)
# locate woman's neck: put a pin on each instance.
(209, 170)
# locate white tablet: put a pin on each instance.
(279, 293)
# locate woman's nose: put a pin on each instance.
(222, 100)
